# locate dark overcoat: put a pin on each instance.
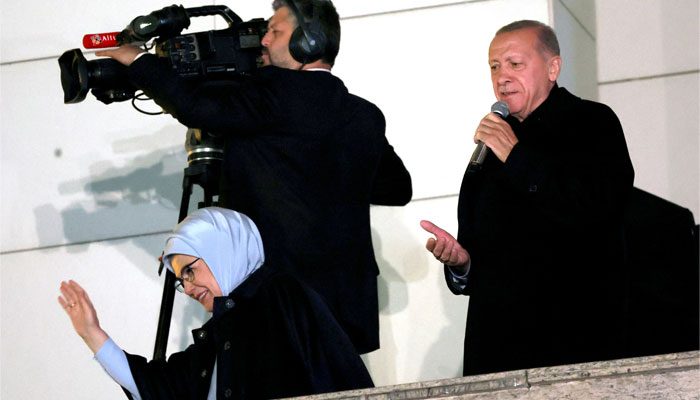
(547, 284)
(303, 158)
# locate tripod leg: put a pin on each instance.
(166, 303)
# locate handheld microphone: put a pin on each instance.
(501, 109)
(100, 40)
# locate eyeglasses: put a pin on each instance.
(187, 274)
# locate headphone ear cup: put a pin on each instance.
(308, 43)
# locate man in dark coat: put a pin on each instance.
(539, 248)
(303, 158)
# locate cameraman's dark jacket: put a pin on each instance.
(304, 159)
(272, 337)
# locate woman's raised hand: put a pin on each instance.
(77, 305)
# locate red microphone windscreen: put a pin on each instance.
(100, 40)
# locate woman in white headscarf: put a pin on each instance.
(270, 336)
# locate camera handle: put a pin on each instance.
(204, 169)
(225, 12)
(169, 21)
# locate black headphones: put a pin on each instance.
(308, 42)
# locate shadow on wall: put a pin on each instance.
(137, 203)
(392, 298)
(121, 197)
(131, 202)
(450, 339)
(422, 321)
(391, 286)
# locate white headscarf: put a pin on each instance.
(228, 241)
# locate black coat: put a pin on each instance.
(303, 159)
(547, 284)
(273, 337)
(664, 296)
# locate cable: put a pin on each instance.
(143, 97)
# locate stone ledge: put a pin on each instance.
(668, 376)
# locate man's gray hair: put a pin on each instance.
(277, 4)
(545, 34)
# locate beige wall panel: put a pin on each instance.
(660, 119)
(41, 354)
(578, 50)
(582, 10)
(355, 8)
(647, 38)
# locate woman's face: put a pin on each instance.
(204, 286)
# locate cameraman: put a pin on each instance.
(302, 157)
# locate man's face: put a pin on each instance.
(276, 41)
(521, 75)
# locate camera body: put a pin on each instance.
(210, 55)
(215, 54)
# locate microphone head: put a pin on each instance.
(500, 108)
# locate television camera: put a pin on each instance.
(210, 55)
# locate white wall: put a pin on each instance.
(574, 23)
(648, 73)
(88, 190)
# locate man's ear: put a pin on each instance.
(554, 68)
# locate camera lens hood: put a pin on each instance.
(74, 76)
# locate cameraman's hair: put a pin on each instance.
(545, 34)
(326, 15)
